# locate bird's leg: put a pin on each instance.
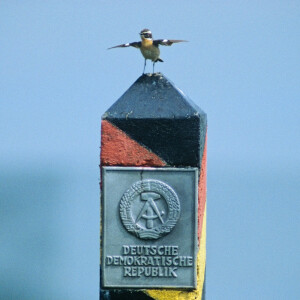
(153, 66)
(144, 66)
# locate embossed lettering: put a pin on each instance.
(153, 250)
(150, 261)
(127, 271)
(149, 250)
(133, 250)
(150, 271)
(143, 260)
(129, 260)
(125, 249)
(172, 272)
(109, 260)
(182, 261)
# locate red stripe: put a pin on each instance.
(118, 149)
(202, 191)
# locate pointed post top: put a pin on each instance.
(153, 96)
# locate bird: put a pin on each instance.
(149, 47)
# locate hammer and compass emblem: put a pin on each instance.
(149, 209)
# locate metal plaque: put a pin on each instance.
(149, 227)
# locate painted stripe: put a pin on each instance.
(118, 149)
(201, 263)
(176, 141)
(202, 191)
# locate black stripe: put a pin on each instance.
(124, 295)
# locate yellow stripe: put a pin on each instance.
(201, 261)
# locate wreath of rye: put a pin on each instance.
(149, 185)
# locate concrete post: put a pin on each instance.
(153, 215)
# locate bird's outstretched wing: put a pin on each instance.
(134, 44)
(167, 42)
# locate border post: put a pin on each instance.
(153, 194)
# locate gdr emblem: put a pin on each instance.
(149, 209)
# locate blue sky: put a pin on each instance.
(241, 66)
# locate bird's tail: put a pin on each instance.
(159, 59)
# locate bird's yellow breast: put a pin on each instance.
(149, 51)
(147, 43)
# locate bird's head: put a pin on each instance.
(146, 34)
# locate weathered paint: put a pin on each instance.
(202, 190)
(118, 149)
